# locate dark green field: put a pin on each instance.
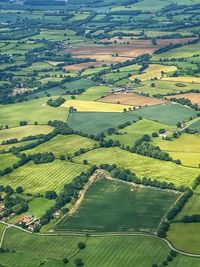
(111, 206)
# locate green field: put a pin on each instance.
(63, 145)
(185, 236)
(111, 206)
(165, 87)
(7, 160)
(186, 148)
(94, 93)
(111, 251)
(97, 122)
(130, 134)
(191, 207)
(43, 177)
(195, 126)
(31, 111)
(142, 166)
(19, 132)
(168, 114)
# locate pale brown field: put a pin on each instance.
(132, 99)
(85, 65)
(193, 97)
(124, 51)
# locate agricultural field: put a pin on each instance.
(87, 83)
(43, 177)
(97, 122)
(23, 131)
(63, 145)
(168, 114)
(195, 125)
(142, 166)
(132, 99)
(31, 111)
(135, 131)
(185, 236)
(194, 98)
(186, 148)
(154, 71)
(111, 206)
(164, 87)
(94, 93)
(91, 106)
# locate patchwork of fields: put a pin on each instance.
(89, 83)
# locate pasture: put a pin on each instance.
(164, 87)
(23, 131)
(112, 206)
(7, 160)
(31, 111)
(132, 99)
(63, 145)
(98, 122)
(43, 177)
(191, 207)
(99, 251)
(167, 114)
(142, 166)
(92, 106)
(131, 133)
(186, 148)
(185, 236)
(94, 93)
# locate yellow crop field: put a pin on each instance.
(89, 106)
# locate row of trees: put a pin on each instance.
(69, 192)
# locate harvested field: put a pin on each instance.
(132, 99)
(85, 65)
(193, 97)
(154, 70)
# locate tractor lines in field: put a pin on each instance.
(168, 243)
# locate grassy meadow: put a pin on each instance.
(63, 145)
(142, 166)
(135, 131)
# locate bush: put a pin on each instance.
(79, 262)
(81, 245)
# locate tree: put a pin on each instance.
(65, 260)
(51, 195)
(85, 162)
(81, 245)
(19, 190)
(79, 262)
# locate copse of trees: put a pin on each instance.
(56, 103)
(186, 102)
(144, 147)
(40, 158)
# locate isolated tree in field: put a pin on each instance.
(81, 245)
(85, 162)
(79, 262)
(65, 260)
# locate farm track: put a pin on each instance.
(170, 246)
